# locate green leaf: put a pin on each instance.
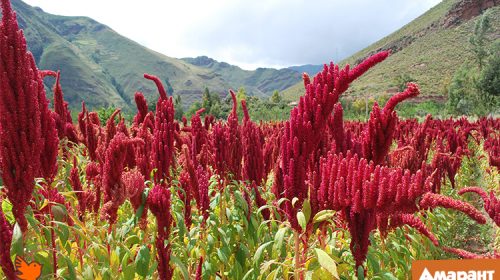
(294, 200)
(223, 254)
(248, 275)
(87, 273)
(71, 268)
(301, 218)
(59, 212)
(323, 216)
(258, 254)
(180, 265)
(278, 241)
(327, 262)
(321, 274)
(140, 210)
(17, 241)
(128, 272)
(388, 275)
(361, 273)
(142, 261)
(7, 210)
(306, 209)
(242, 255)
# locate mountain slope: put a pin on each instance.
(308, 68)
(104, 68)
(429, 49)
(261, 82)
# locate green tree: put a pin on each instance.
(489, 82)
(216, 110)
(276, 97)
(241, 94)
(479, 40)
(402, 80)
(206, 100)
(462, 92)
(104, 113)
(193, 108)
(179, 109)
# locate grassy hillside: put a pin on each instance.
(104, 68)
(428, 49)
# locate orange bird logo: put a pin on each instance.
(27, 271)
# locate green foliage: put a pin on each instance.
(479, 39)
(241, 94)
(104, 113)
(473, 92)
(179, 108)
(420, 110)
(260, 109)
(402, 80)
(462, 93)
(212, 104)
(276, 97)
(489, 81)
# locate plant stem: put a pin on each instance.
(109, 245)
(53, 241)
(222, 214)
(298, 265)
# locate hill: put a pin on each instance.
(260, 82)
(104, 68)
(308, 68)
(429, 50)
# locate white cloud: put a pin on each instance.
(249, 33)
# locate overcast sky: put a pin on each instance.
(250, 34)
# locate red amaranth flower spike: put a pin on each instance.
(203, 180)
(432, 200)
(469, 255)
(159, 85)
(134, 185)
(368, 63)
(162, 158)
(91, 138)
(142, 108)
(143, 152)
(82, 123)
(379, 131)
(111, 127)
(226, 142)
(45, 73)
(50, 140)
(253, 169)
(25, 152)
(411, 90)
(199, 269)
(185, 195)
(74, 179)
(114, 190)
(163, 134)
(64, 122)
(159, 204)
(305, 129)
(93, 176)
(491, 203)
(369, 196)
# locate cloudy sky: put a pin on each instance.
(271, 33)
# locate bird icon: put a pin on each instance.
(27, 271)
